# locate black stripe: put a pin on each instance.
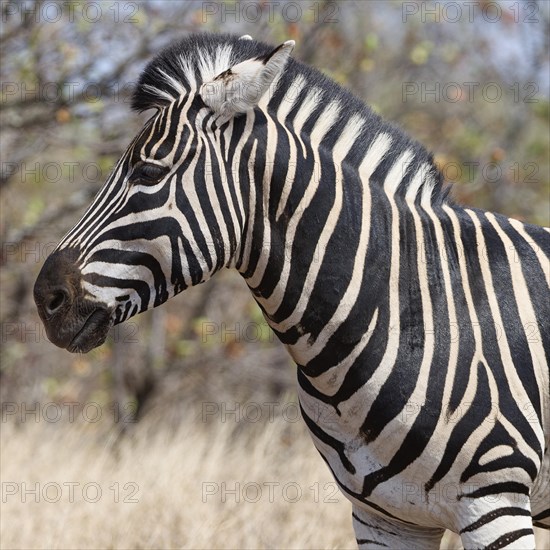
(357, 518)
(338, 446)
(495, 514)
(370, 541)
(542, 515)
(468, 422)
(515, 459)
(510, 537)
(496, 489)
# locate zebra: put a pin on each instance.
(419, 327)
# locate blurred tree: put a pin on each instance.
(472, 86)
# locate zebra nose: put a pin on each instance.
(55, 301)
(53, 289)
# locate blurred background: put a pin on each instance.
(198, 393)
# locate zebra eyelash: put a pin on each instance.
(147, 173)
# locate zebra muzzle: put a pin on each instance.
(72, 321)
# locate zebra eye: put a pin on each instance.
(147, 174)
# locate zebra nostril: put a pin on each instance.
(56, 301)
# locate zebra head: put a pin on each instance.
(171, 213)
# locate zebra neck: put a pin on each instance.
(310, 242)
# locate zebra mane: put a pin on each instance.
(183, 66)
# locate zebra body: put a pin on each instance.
(420, 328)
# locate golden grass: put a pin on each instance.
(173, 472)
(285, 496)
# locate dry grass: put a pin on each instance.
(171, 472)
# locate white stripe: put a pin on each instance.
(543, 260)
(422, 179)
(387, 362)
(376, 152)
(397, 172)
(284, 108)
(74, 235)
(270, 150)
(251, 209)
(210, 67)
(237, 228)
(304, 112)
(474, 323)
(176, 84)
(339, 152)
(427, 189)
(169, 158)
(513, 379)
(329, 381)
(158, 92)
(227, 138)
(211, 190)
(188, 68)
(324, 123)
(191, 195)
(436, 445)
(528, 318)
(245, 136)
(395, 428)
(414, 185)
(495, 453)
(159, 142)
(108, 295)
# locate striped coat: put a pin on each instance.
(420, 328)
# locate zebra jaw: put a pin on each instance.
(93, 332)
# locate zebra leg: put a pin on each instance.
(505, 523)
(373, 531)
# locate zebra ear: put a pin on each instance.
(240, 88)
